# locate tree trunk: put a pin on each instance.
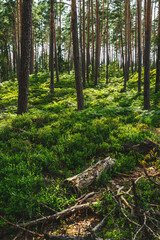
(51, 45)
(42, 45)
(126, 45)
(158, 56)
(120, 27)
(59, 42)
(69, 51)
(139, 8)
(18, 38)
(14, 46)
(79, 88)
(107, 44)
(88, 31)
(147, 57)
(55, 50)
(25, 56)
(97, 42)
(130, 39)
(101, 32)
(80, 33)
(136, 27)
(32, 51)
(92, 40)
(83, 52)
(144, 26)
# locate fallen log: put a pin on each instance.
(87, 177)
(58, 215)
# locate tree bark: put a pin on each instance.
(147, 57)
(97, 42)
(69, 51)
(32, 51)
(158, 56)
(79, 88)
(80, 34)
(144, 26)
(88, 33)
(25, 56)
(92, 40)
(84, 46)
(51, 45)
(139, 8)
(126, 45)
(136, 27)
(121, 33)
(55, 50)
(107, 44)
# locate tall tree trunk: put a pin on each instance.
(107, 44)
(88, 33)
(97, 42)
(120, 27)
(51, 45)
(139, 8)
(83, 52)
(14, 46)
(79, 88)
(32, 51)
(154, 32)
(18, 37)
(126, 44)
(136, 27)
(144, 26)
(130, 39)
(25, 56)
(92, 40)
(42, 45)
(158, 56)
(59, 42)
(104, 47)
(69, 51)
(55, 50)
(101, 31)
(147, 57)
(80, 33)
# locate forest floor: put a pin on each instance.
(53, 141)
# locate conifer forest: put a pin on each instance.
(79, 119)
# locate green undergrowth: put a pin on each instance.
(53, 141)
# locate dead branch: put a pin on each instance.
(86, 196)
(59, 215)
(127, 203)
(100, 224)
(135, 183)
(21, 228)
(47, 207)
(123, 174)
(144, 224)
(155, 175)
(149, 178)
(122, 211)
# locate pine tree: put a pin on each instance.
(25, 56)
